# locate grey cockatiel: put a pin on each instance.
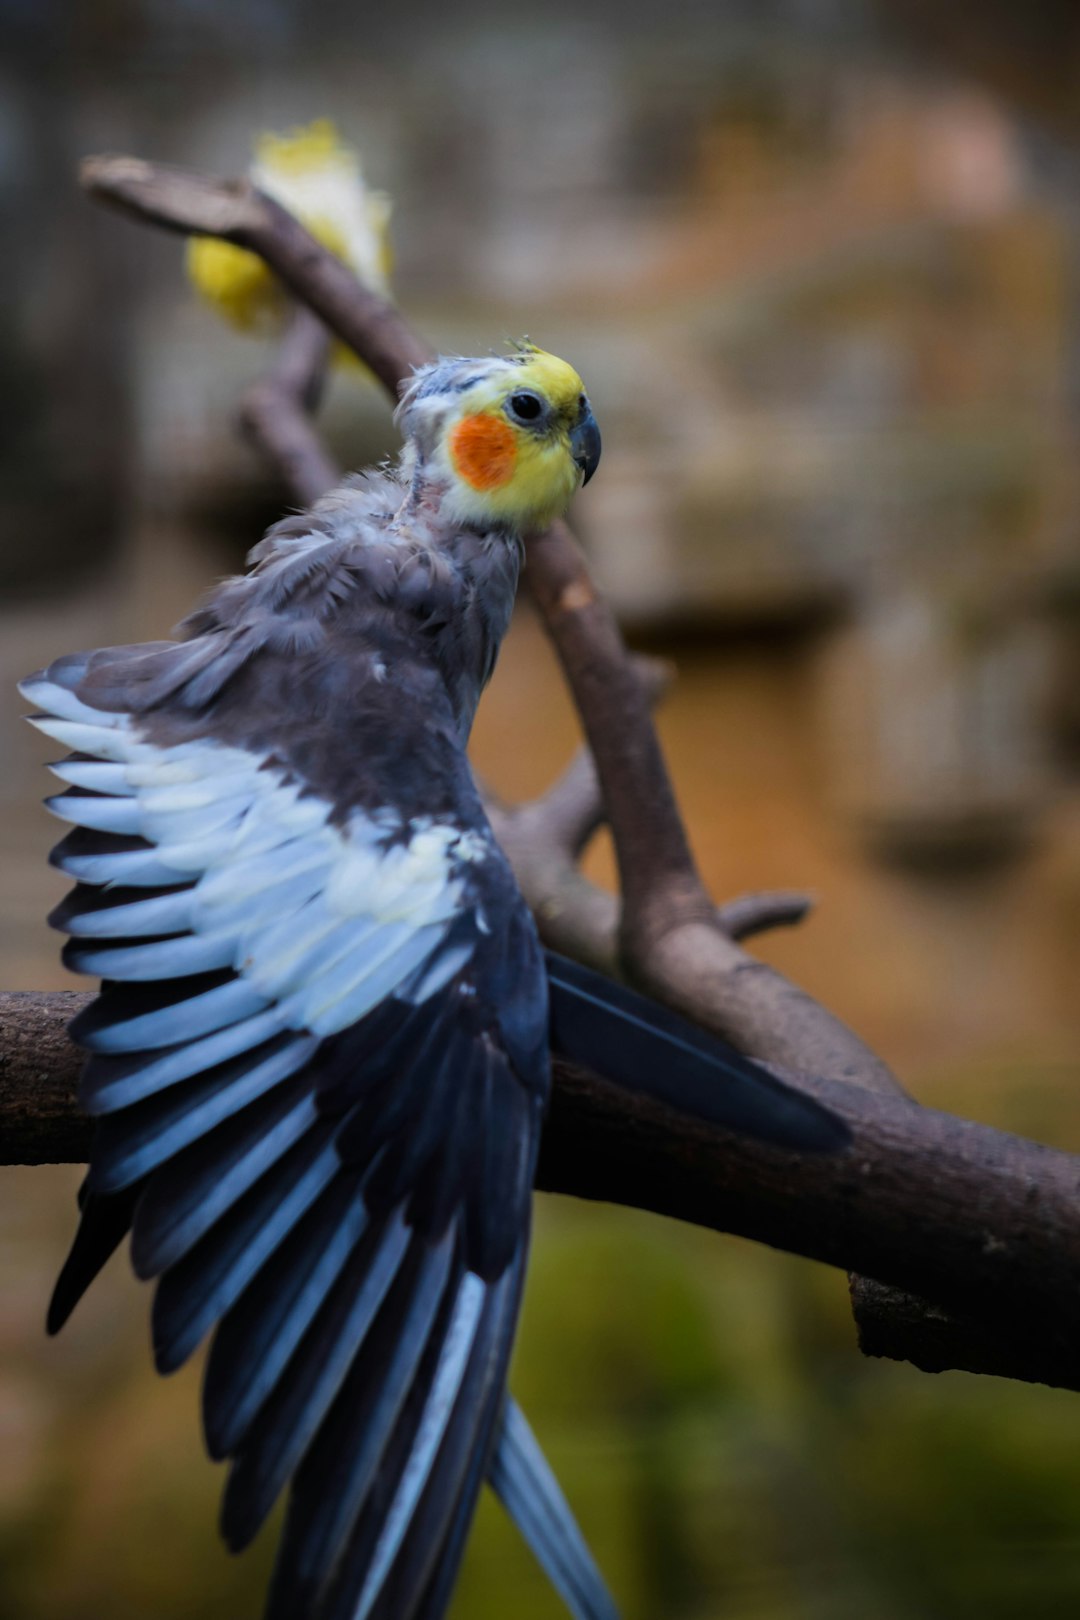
(319, 1060)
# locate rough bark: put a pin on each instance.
(985, 1226)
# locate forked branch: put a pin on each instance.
(986, 1226)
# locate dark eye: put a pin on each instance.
(525, 407)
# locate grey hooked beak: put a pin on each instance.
(585, 445)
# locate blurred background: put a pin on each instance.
(819, 263)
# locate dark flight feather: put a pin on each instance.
(647, 1048)
(199, 1289)
(260, 1332)
(341, 1465)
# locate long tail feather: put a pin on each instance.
(522, 1479)
(648, 1048)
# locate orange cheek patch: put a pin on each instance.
(483, 451)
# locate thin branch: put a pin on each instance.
(755, 913)
(650, 840)
(671, 938)
(40, 1122)
(545, 837)
(573, 806)
(276, 412)
(236, 211)
(980, 1223)
(542, 840)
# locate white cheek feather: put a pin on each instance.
(465, 506)
(325, 921)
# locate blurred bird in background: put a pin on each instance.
(313, 173)
(319, 1060)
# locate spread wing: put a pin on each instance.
(318, 1063)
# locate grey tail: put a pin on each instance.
(525, 1485)
(647, 1048)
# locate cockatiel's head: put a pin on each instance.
(503, 442)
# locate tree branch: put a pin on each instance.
(542, 840)
(977, 1221)
(756, 913)
(673, 941)
(545, 838)
(238, 212)
(276, 412)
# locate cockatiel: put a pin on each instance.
(319, 1060)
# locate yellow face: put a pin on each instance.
(519, 443)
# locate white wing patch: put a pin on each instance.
(322, 920)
